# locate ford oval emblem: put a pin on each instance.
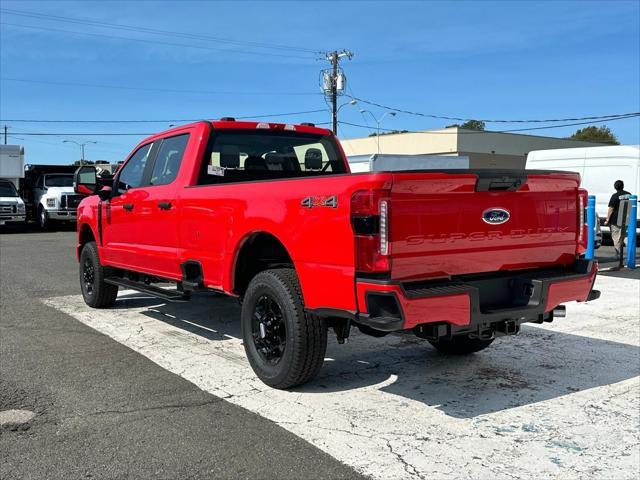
(495, 216)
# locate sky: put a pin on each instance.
(489, 60)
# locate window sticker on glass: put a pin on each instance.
(214, 170)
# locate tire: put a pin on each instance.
(461, 345)
(43, 219)
(95, 291)
(284, 344)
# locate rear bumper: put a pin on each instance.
(471, 306)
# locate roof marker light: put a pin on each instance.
(263, 125)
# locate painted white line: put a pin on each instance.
(556, 401)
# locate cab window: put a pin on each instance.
(249, 155)
(167, 162)
(132, 172)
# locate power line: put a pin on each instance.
(443, 117)
(84, 134)
(168, 90)
(157, 42)
(155, 31)
(170, 120)
(480, 132)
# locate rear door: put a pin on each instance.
(156, 214)
(445, 224)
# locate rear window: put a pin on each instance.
(247, 155)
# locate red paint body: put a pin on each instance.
(435, 229)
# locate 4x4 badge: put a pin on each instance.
(310, 202)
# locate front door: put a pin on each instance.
(121, 227)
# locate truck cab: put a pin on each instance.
(55, 198)
(12, 207)
(49, 194)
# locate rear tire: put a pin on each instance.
(284, 344)
(95, 291)
(461, 345)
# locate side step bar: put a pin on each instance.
(168, 295)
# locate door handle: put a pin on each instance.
(128, 206)
(164, 205)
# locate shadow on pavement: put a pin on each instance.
(535, 366)
(11, 229)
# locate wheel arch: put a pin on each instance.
(256, 252)
(85, 235)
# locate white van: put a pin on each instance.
(599, 167)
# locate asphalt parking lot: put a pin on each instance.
(155, 390)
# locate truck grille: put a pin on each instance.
(8, 209)
(70, 202)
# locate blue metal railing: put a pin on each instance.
(631, 232)
(591, 227)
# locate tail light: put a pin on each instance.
(370, 223)
(581, 246)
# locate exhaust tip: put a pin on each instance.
(560, 311)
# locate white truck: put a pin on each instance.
(48, 192)
(12, 207)
(599, 168)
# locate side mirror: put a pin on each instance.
(85, 181)
(104, 193)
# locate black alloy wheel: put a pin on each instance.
(284, 343)
(268, 330)
(88, 275)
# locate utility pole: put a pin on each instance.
(5, 134)
(334, 92)
(335, 57)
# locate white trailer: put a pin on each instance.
(12, 163)
(599, 168)
(383, 162)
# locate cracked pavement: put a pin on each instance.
(558, 401)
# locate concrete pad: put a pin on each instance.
(559, 400)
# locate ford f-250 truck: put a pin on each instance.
(270, 213)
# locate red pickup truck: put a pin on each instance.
(270, 213)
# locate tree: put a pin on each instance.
(86, 162)
(390, 132)
(469, 125)
(592, 133)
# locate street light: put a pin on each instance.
(350, 102)
(378, 122)
(81, 145)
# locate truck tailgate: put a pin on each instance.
(447, 224)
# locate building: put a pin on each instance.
(484, 149)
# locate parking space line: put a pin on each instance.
(553, 401)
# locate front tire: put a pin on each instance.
(95, 291)
(43, 219)
(284, 344)
(461, 345)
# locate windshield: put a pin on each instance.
(58, 180)
(7, 189)
(246, 155)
